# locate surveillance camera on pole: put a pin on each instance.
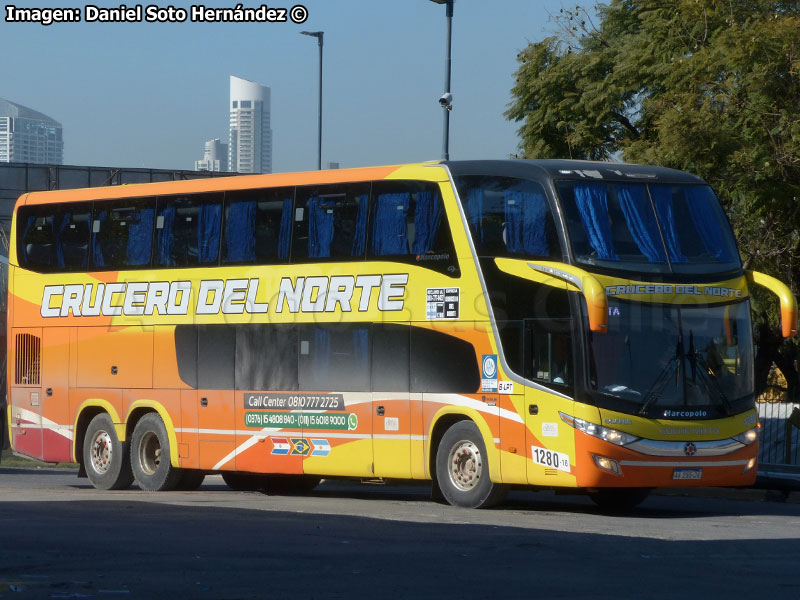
(446, 101)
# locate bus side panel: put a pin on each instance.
(26, 391)
(551, 442)
(512, 439)
(115, 357)
(54, 401)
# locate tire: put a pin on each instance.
(190, 480)
(150, 454)
(243, 482)
(619, 500)
(287, 485)
(462, 469)
(105, 458)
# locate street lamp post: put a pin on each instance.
(319, 35)
(447, 99)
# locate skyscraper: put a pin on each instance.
(29, 136)
(215, 157)
(250, 149)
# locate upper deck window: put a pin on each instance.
(508, 217)
(653, 228)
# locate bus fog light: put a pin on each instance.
(750, 464)
(607, 464)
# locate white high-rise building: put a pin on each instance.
(215, 157)
(250, 149)
(29, 136)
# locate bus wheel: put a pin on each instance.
(290, 484)
(150, 455)
(462, 468)
(105, 457)
(619, 499)
(243, 482)
(190, 480)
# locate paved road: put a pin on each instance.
(59, 538)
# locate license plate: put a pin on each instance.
(687, 473)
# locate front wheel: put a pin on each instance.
(150, 453)
(105, 458)
(462, 468)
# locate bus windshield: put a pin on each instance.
(673, 356)
(650, 228)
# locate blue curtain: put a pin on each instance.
(165, 236)
(360, 235)
(208, 228)
(140, 238)
(285, 235)
(389, 226)
(707, 222)
(240, 232)
(97, 251)
(592, 203)
(642, 224)
(361, 353)
(427, 218)
(320, 229)
(662, 195)
(526, 223)
(62, 227)
(28, 226)
(475, 213)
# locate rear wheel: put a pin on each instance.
(105, 458)
(462, 468)
(619, 499)
(150, 454)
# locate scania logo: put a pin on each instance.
(690, 449)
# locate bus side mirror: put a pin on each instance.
(784, 294)
(589, 286)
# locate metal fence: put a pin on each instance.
(780, 434)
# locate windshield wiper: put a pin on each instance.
(706, 377)
(654, 393)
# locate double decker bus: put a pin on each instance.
(479, 324)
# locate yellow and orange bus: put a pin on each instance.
(480, 324)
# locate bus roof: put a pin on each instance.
(188, 186)
(545, 169)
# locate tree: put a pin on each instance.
(707, 86)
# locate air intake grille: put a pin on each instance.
(29, 352)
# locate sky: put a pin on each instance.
(150, 94)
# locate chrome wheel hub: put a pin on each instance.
(466, 465)
(149, 453)
(102, 452)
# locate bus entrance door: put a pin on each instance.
(391, 433)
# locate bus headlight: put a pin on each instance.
(607, 434)
(748, 437)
